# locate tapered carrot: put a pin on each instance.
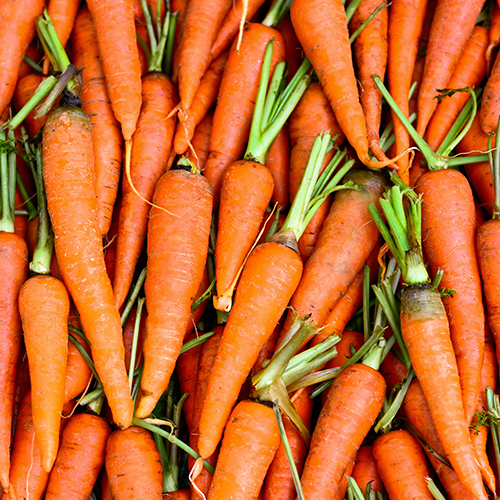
(69, 177)
(181, 216)
(201, 142)
(107, 137)
(133, 465)
(114, 20)
(44, 310)
(365, 470)
(204, 99)
(17, 28)
(452, 25)
(81, 456)
(405, 26)
(470, 72)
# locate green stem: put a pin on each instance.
(380, 7)
(435, 492)
(495, 171)
(33, 64)
(169, 52)
(196, 342)
(7, 190)
(135, 340)
(27, 203)
(276, 13)
(84, 354)
(96, 404)
(169, 483)
(354, 488)
(92, 396)
(129, 304)
(493, 405)
(351, 9)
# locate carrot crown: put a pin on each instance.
(7, 182)
(277, 12)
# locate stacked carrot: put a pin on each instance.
(198, 200)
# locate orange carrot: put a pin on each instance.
(278, 162)
(17, 29)
(78, 372)
(294, 52)
(133, 465)
(393, 370)
(81, 456)
(114, 20)
(69, 177)
(181, 218)
(490, 104)
(452, 25)
(494, 35)
(201, 142)
(107, 138)
(365, 470)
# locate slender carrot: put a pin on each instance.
(278, 162)
(69, 181)
(490, 109)
(181, 216)
(81, 456)
(78, 372)
(17, 28)
(452, 25)
(470, 72)
(494, 35)
(365, 470)
(107, 137)
(114, 20)
(201, 142)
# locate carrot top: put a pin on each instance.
(7, 182)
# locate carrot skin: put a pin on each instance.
(494, 35)
(181, 216)
(354, 401)
(78, 372)
(365, 470)
(278, 162)
(69, 182)
(14, 259)
(201, 142)
(490, 104)
(81, 456)
(294, 52)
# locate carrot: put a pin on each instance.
(105, 488)
(294, 53)
(470, 72)
(78, 372)
(81, 456)
(278, 162)
(23, 384)
(200, 142)
(246, 190)
(354, 401)
(35, 52)
(405, 26)
(25, 89)
(151, 147)
(370, 53)
(321, 28)
(68, 169)
(142, 33)
(490, 111)
(107, 138)
(494, 35)
(250, 441)
(178, 495)
(17, 28)
(114, 20)
(199, 30)
(110, 241)
(401, 465)
(450, 246)
(128, 338)
(44, 310)
(181, 216)
(204, 99)
(452, 25)
(393, 370)
(365, 470)
(133, 465)
(237, 94)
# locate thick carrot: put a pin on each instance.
(14, 259)
(246, 190)
(44, 310)
(204, 99)
(278, 162)
(237, 95)
(80, 458)
(405, 26)
(452, 25)
(201, 142)
(17, 29)
(198, 32)
(251, 439)
(152, 142)
(365, 470)
(108, 142)
(133, 465)
(113, 21)
(178, 231)
(25, 89)
(354, 401)
(470, 72)
(370, 54)
(450, 246)
(401, 465)
(69, 177)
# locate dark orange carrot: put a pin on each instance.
(405, 26)
(205, 97)
(267, 351)
(80, 458)
(470, 72)
(106, 490)
(237, 94)
(493, 35)
(107, 137)
(201, 142)
(17, 29)
(69, 176)
(178, 231)
(35, 52)
(365, 470)
(25, 89)
(393, 370)
(490, 104)
(278, 162)
(452, 25)
(370, 53)
(294, 52)
(44, 310)
(114, 20)
(133, 465)
(401, 465)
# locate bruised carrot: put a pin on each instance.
(107, 137)
(69, 177)
(365, 470)
(178, 231)
(81, 455)
(17, 29)
(200, 142)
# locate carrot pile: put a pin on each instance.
(249, 250)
